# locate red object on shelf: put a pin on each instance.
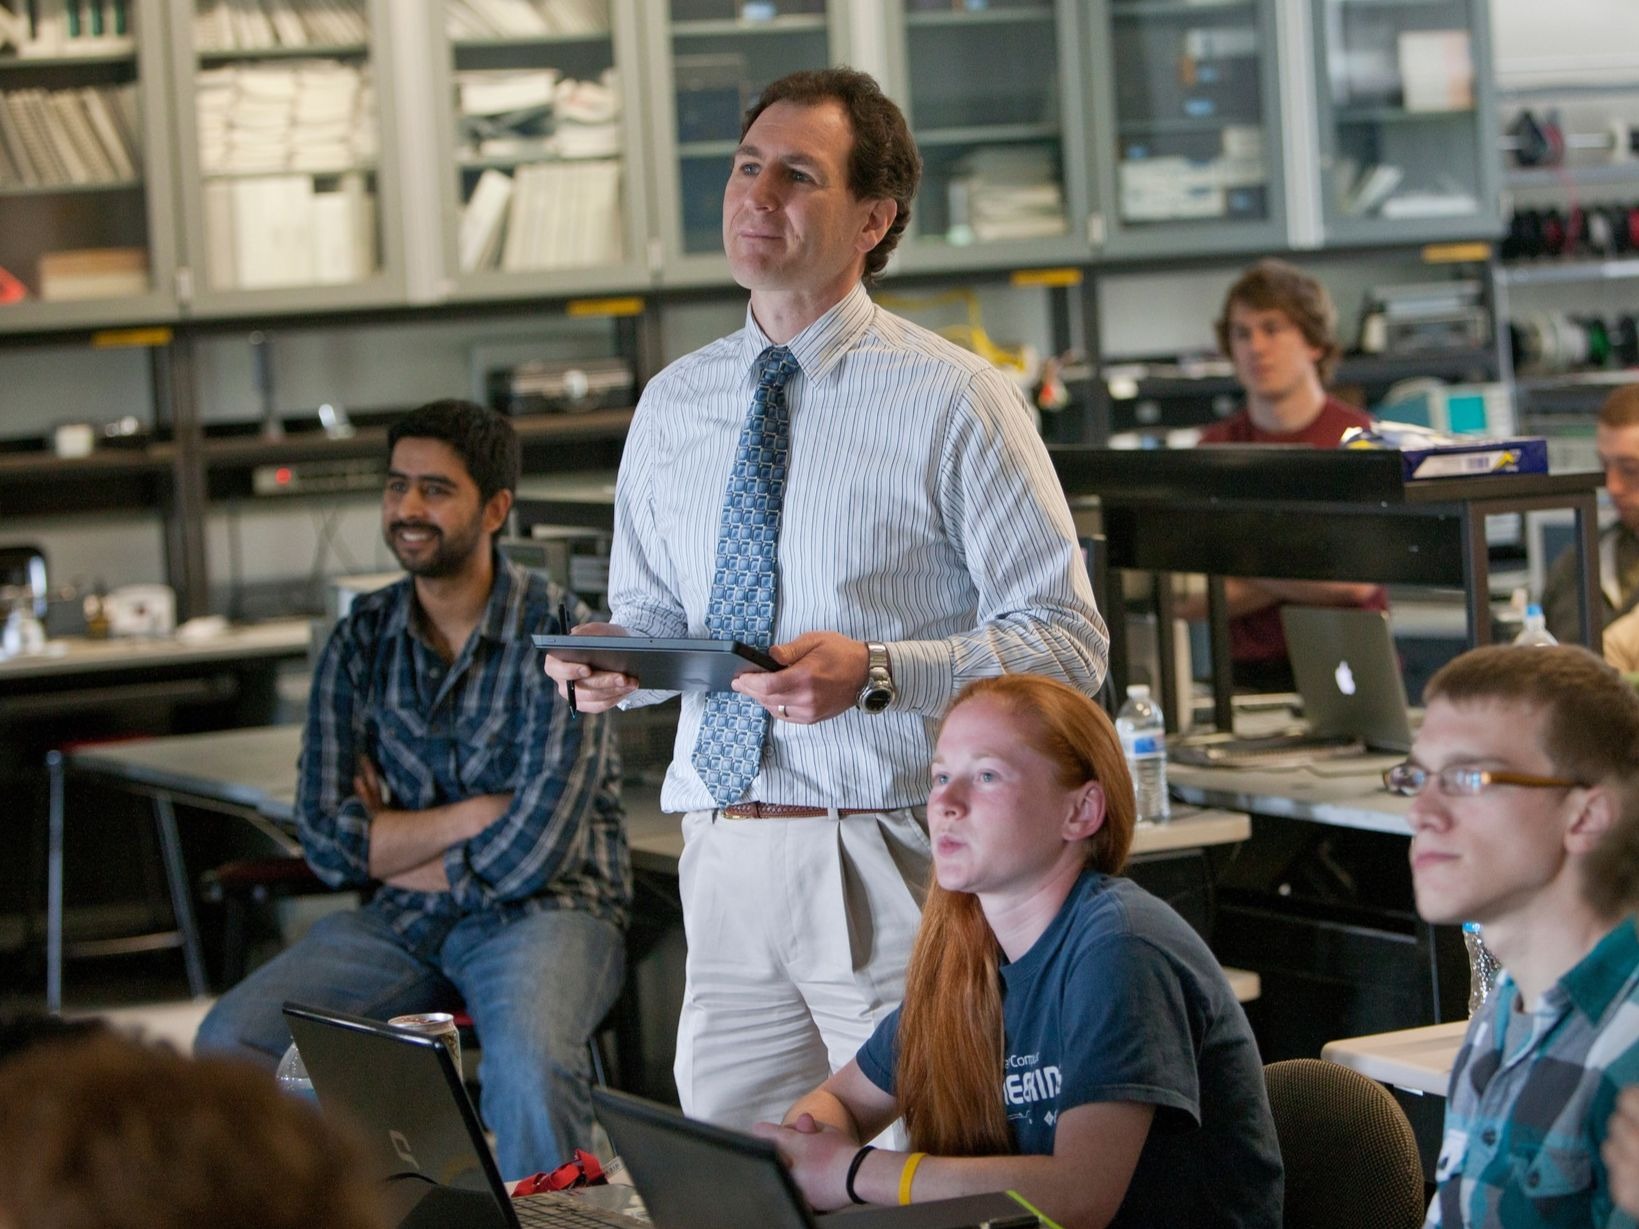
(11, 289)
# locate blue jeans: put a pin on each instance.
(536, 989)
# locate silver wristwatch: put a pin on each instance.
(879, 690)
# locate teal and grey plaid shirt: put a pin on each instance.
(490, 722)
(1530, 1096)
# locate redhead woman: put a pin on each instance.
(1064, 1033)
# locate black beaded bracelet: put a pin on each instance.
(853, 1171)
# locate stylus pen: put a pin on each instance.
(569, 684)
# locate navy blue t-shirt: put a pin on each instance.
(1119, 1000)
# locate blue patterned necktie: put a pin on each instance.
(741, 607)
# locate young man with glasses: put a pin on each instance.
(1526, 758)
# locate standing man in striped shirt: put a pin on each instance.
(440, 771)
(886, 519)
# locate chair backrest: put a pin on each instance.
(1350, 1155)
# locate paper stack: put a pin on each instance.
(497, 19)
(1003, 192)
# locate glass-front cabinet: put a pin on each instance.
(543, 190)
(709, 59)
(287, 187)
(992, 90)
(1185, 104)
(1407, 122)
(86, 233)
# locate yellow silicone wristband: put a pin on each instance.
(908, 1174)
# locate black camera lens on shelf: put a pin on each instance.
(1530, 233)
(1513, 243)
(1625, 340)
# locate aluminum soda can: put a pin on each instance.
(438, 1024)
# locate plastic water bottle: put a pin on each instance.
(1535, 630)
(292, 1076)
(1483, 967)
(1143, 738)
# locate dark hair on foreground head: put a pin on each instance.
(108, 1133)
(1275, 285)
(1590, 732)
(884, 163)
(483, 439)
(23, 1031)
(950, 1025)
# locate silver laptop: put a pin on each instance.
(1348, 674)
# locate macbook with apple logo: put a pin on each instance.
(1348, 675)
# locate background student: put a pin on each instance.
(1526, 759)
(1064, 1033)
(1279, 328)
(441, 769)
(1616, 436)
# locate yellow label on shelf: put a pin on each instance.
(1046, 277)
(632, 306)
(1455, 253)
(109, 339)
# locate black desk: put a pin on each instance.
(1309, 514)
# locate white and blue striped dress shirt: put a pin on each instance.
(921, 511)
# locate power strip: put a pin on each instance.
(317, 477)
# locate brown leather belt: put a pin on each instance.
(776, 810)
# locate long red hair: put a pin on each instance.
(949, 1067)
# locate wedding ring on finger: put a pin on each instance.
(783, 716)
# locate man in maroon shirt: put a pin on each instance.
(1278, 328)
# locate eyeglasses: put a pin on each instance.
(1409, 780)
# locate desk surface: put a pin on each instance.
(1344, 793)
(1419, 1059)
(71, 655)
(256, 769)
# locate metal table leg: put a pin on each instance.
(176, 876)
(54, 886)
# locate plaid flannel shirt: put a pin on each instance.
(489, 722)
(1526, 1114)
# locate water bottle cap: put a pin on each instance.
(1533, 611)
(1138, 691)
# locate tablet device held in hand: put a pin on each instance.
(662, 665)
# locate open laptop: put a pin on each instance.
(692, 1174)
(420, 1129)
(425, 1140)
(1347, 674)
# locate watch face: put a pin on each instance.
(875, 699)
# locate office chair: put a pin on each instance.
(1351, 1158)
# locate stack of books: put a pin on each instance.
(59, 138)
(256, 25)
(498, 19)
(561, 205)
(93, 273)
(549, 215)
(48, 28)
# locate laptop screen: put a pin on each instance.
(402, 1091)
(1348, 673)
